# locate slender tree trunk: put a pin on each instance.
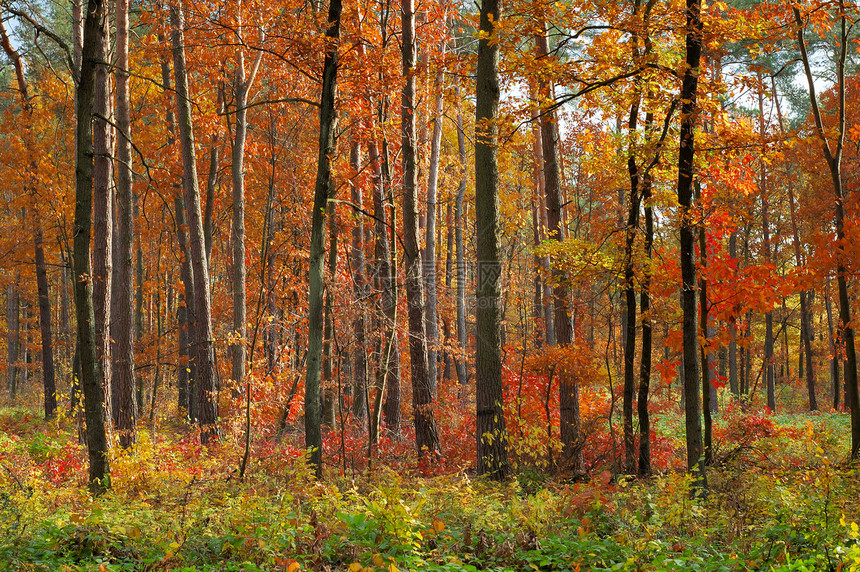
(186, 363)
(122, 325)
(459, 221)
(834, 348)
(422, 398)
(13, 335)
(207, 414)
(103, 214)
(733, 344)
(693, 422)
(770, 374)
(568, 388)
(429, 265)
(630, 299)
(645, 313)
(359, 288)
(323, 191)
(328, 401)
(491, 436)
(704, 334)
(91, 372)
(388, 369)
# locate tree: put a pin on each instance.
(122, 331)
(491, 437)
(91, 374)
(323, 191)
(686, 154)
(207, 403)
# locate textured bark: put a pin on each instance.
(328, 381)
(323, 190)
(645, 358)
(237, 171)
(459, 222)
(388, 369)
(568, 388)
(186, 365)
(689, 89)
(359, 289)
(634, 175)
(733, 344)
(704, 334)
(207, 403)
(122, 325)
(13, 333)
(491, 436)
(426, 437)
(103, 213)
(429, 274)
(91, 375)
(770, 374)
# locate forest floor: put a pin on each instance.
(781, 498)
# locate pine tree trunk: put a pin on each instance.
(122, 325)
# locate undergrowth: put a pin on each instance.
(781, 498)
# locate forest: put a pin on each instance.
(380, 285)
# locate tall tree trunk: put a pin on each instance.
(429, 265)
(122, 325)
(103, 213)
(91, 373)
(630, 299)
(324, 189)
(733, 344)
(426, 437)
(568, 388)
(13, 335)
(328, 382)
(186, 369)
(834, 348)
(491, 436)
(645, 313)
(460, 222)
(704, 334)
(689, 89)
(207, 414)
(359, 287)
(388, 368)
(240, 327)
(770, 374)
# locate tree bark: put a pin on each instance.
(91, 373)
(426, 437)
(491, 436)
(103, 214)
(689, 89)
(359, 288)
(429, 265)
(323, 191)
(122, 325)
(459, 222)
(207, 414)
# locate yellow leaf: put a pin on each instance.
(294, 566)
(438, 525)
(392, 568)
(378, 561)
(355, 567)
